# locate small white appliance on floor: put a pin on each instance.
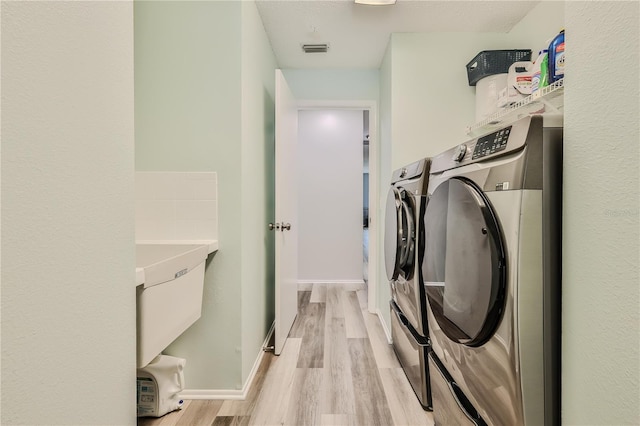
(492, 273)
(159, 385)
(403, 247)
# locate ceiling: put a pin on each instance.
(358, 35)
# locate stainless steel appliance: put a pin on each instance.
(492, 276)
(404, 245)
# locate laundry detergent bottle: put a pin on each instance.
(539, 79)
(556, 58)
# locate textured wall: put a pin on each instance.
(68, 298)
(600, 381)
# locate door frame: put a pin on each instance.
(374, 182)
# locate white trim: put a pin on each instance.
(322, 104)
(347, 285)
(329, 282)
(238, 395)
(387, 332)
(305, 286)
(374, 183)
(374, 192)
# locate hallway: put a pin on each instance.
(336, 369)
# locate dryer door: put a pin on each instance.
(398, 235)
(464, 265)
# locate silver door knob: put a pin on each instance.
(286, 226)
(275, 226)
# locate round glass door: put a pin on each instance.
(464, 265)
(398, 236)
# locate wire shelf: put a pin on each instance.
(549, 99)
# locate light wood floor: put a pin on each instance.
(336, 369)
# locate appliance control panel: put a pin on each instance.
(492, 143)
(410, 171)
(501, 142)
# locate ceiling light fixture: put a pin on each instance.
(376, 2)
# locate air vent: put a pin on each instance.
(315, 48)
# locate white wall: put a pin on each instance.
(176, 206)
(349, 85)
(68, 297)
(601, 311)
(330, 212)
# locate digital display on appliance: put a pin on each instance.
(490, 144)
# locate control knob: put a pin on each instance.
(459, 152)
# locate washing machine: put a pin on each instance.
(404, 247)
(492, 275)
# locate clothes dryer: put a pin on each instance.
(404, 246)
(492, 276)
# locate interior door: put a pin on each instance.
(286, 225)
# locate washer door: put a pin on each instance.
(399, 241)
(464, 266)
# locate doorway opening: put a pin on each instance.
(330, 213)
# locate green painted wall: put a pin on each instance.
(258, 185)
(333, 84)
(204, 77)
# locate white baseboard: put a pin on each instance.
(305, 286)
(351, 285)
(231, 394)
(238, 395)
(386, 330)
(337, 282)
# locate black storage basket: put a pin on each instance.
(490, 62)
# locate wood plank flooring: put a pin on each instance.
(336, 369)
